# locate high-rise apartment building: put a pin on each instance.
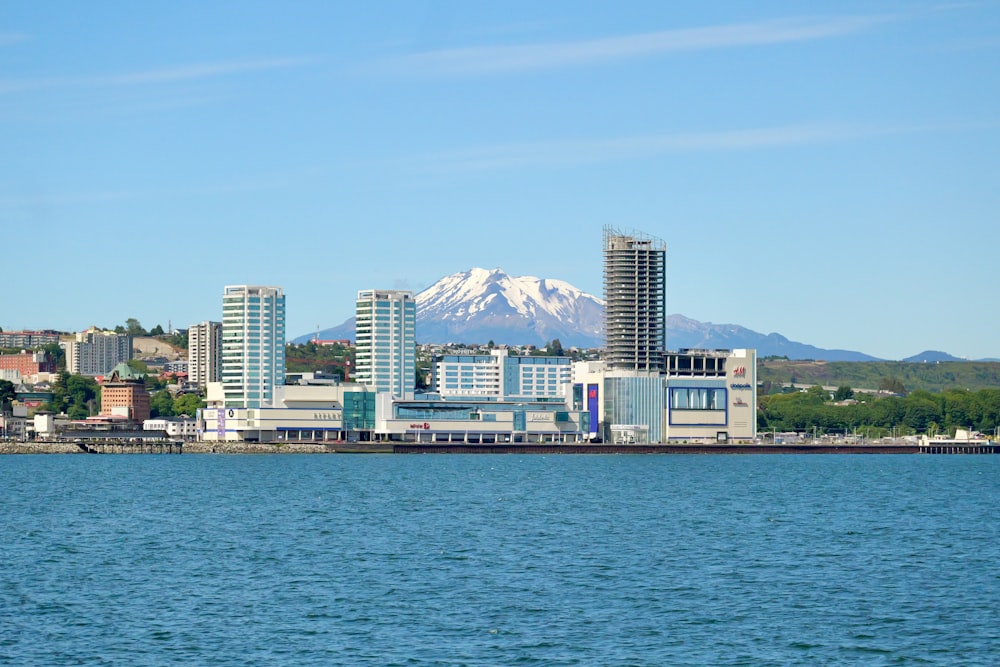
(205, 353)
(253, 345)
(386, 339)
(635, 311)
(96, 352)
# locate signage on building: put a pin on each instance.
(744, 385)
(425, 426)
(740, 371)
(740, 403)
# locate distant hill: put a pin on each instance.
(932, 357)
(937, 376)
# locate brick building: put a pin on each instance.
(124, 394)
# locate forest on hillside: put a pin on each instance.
(873, 375)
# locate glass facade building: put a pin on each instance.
(253, 345)
(386, 341)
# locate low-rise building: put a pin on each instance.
(703, 396)
(175, 428)
(28, 363)
(499, 376)
(28, 340)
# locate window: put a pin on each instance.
(690, 398)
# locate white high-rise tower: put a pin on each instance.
(386, 353)
(253, 345)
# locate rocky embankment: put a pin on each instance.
(204, 448)
(39, 448)
(255, 448)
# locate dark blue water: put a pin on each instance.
(499, 560)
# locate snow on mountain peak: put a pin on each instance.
(479, 298)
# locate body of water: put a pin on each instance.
(499, 560)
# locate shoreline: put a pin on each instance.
(15, 448)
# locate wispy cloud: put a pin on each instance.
(153, 76)
(494, 59)
(594, 151)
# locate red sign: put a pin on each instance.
(423, 426)
(740, 371)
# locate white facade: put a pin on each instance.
(499, 376)
(704, 396)
(177, 429)
(253, 345)
(205, 353)
(96, 352)
(300, 413)
(711, 396)
(386, 342)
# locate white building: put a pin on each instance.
(253, 345)
(703, 396)
(500, 376)
(386, 341)
(300, 413)
(330, 414)
(205, 353)
(176, 428)
(96, 352)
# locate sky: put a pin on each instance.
(827, 171)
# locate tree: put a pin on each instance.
(555, 347)
(7, 394)
(133, 328)
(57, 354)
(188, 404)
(139, 366)
(893, 385)
(156, 331)
(161, 404)
(818, 393)
(843, 393)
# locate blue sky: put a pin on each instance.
(829, 171)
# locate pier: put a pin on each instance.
(130, 447)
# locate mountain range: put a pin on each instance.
(481, 305)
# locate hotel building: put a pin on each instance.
(124, 394)
(386, 341)
(253, 345)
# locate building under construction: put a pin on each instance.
(635, 313)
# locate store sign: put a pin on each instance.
(424, 427)
(744, 385)
(740, 403)
(740, 372)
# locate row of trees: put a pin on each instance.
(79, 397)
(918, 412)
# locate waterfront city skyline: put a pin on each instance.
(829, 176)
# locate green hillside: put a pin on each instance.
(935, 377)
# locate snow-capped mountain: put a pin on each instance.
(479, 305)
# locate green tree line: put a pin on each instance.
(918, 412)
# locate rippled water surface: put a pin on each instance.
(499, 560)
